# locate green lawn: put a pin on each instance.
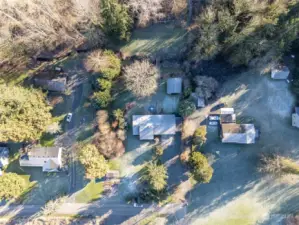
(91, 192)
(156, 39)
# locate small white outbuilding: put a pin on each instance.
(280, 72)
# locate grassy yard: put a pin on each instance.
(91, 192)
(156, 39)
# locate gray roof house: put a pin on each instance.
(280, 72)
(4, 156)
(295, 118)
(49, 158)
(238, 133)
(58, 84)
(174, 85)
(147, 126)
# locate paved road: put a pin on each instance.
(92, 209)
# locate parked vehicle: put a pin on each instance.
(69, 117)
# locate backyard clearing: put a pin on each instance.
(163, 40)
(236, 182)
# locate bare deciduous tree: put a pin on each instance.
(29, 27)
(141, 78)
(206, 86)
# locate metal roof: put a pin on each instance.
(280, 72)
(44, 152)
(174, 85)
(238, 133)
(146, 126)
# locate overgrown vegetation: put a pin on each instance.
(141, 78)
(277, 165)
(94, 163)
(31, 27)
(186, 108)
(24, 114)
(242, 30)
(109, 66)
(108, 141)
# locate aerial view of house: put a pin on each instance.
(149, 112)
(149, 126)
(238, 133)
(48, 158)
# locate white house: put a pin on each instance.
(49, 158)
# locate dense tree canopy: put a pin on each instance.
(24, 114)
(156, 176)
(117, 21)
(245, 29)
(12, 186)
(201, 169)
(94, 163)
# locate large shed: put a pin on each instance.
(174, 85)
(147, 126)
(238, 133)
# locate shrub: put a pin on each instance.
(119, 117)
(104, 62)
(141, 78)
(116, 20)
(201, 169)
(94, 163)
(104, 84)
(185, 156)
(101, 99)
(186, 108)
(106, 140)
(24, 114)
(158, 150)
(156, 176)
(199, 137)
(12, 186)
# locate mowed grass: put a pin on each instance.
(91, 192)
(156, 39)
